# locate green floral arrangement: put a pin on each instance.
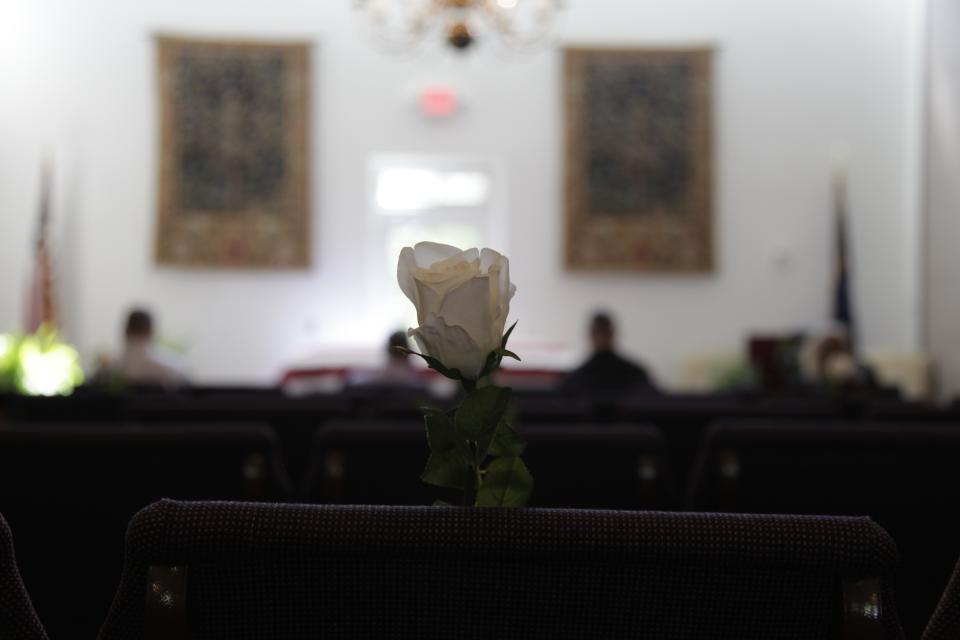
(9, 357)
(462, 300)
(40, 364)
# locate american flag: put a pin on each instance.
(41, 308)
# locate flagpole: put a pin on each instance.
(41, 305)
(843, 313)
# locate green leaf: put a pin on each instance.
(507, 483)
(441, 435)
(449, 469)
(506, 442)
(433, 363)
(436, 365)
(504, 353)
(494, 358)
(479, 414)
(506, 336)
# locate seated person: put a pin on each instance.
(835, 368)
(397, 372)
(141, 363)
(605, 370)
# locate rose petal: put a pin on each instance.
(468, 306)
(489, 257)
(451, 345)
(498, 266)
(405, 275)
(427, 253)
(435, 283)
(471, 256)
(429, 301)
(454, 268)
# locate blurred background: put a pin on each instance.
(732, 225)
(469, 147)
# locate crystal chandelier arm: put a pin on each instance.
(400, 26)
(502, 16)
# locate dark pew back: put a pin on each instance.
(246, 572)
(906, 477)
(582, 466)
(69, 492)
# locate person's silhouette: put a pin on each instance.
(605, 370)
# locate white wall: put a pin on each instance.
(793, 80)
(943, 195)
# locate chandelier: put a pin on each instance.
(402, 26)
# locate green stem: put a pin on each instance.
(471, 487)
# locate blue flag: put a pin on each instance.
(843, 315)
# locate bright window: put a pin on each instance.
(415, 198)
(406, 190)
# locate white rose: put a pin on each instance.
(462, 300)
